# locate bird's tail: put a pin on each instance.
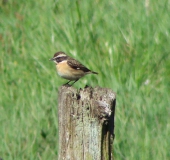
(94, 72)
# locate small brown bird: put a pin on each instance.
(69, 68)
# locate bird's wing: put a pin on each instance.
(77, 65)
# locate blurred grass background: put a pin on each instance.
(127, 42)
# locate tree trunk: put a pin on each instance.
(86, 123)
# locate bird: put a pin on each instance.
(69, 68)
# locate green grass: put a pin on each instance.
(127, 42)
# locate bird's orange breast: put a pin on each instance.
(65, 71)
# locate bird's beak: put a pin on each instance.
(51, 59)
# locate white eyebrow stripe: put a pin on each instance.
(61, 55)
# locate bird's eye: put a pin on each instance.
(60, 59)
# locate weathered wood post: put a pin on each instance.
(86, 123)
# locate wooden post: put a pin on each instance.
(86, 123)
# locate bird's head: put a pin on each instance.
(59, 57)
